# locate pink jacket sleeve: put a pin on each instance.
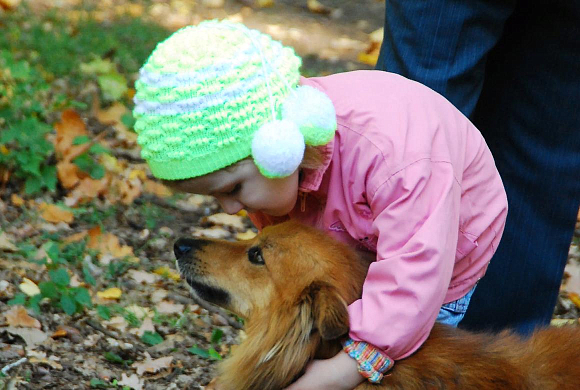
(416, 219)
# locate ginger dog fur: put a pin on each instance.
(295, 306)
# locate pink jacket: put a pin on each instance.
(408, 177)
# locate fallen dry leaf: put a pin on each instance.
(88, 189)
(59, 333)
(137, 174)
(69, 174)
(371, 55)
(563, 322)
(129, 190)
(158, 295)
(226, 219)
(156, 188)
(111, 163)
(110, 293)
(146, 326)
(17, 316)
(215, 232)
(6, 243)
(31, 336)
(54, 214)
(113, 114)
(152, 365)
(165, 307)
(139, 311)
(16, 200)
(70, 126)
(5, 288)
(117, 322)
(37, 357)
(28, 287)
(75, 237)
(9, 5)
(575, 298)
(167, 272)
(142, 276)
(108, 244)
(247, 235)
(132, 381)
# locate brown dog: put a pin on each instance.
(292, 284)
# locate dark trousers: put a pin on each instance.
(513, 67)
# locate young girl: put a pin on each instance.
(375, 160)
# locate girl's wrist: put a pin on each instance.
(348, 373)
(371, 362)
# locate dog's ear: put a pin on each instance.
(329, 311)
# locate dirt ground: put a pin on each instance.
(85, 350)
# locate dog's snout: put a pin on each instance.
(184, 245)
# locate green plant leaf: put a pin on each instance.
(216, 335)
(113, 85)
(49, 178)
(81, 139)
(86, 163)
(60, 277)
(88, 276)
(98, 383)
(83, 297)
(213, 354)
(97, 66)
(53, 252)
(114, 358)
(48, 290)
(97, 172)
(32, 185)
(128, 120)
(19, 299)
(68, 304)
(210, 354)
(34, 303)
(104, 312)
(199, 351)
(98, 149)
(151, 338)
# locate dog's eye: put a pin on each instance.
(255, 256)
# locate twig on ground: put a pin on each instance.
(12, 365)
(99, 328)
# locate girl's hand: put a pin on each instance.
(337, 373)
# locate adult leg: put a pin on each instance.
(529, 113)
(443, 43)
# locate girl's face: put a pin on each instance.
(242, 186)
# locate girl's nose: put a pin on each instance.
(230, 206)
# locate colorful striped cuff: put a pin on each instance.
(372, 363)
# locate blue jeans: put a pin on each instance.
(453, 312)
(513, 67)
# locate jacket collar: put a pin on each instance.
(311, 178)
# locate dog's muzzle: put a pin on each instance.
(184, 249)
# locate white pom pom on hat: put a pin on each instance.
(313, 112)
(278, 148)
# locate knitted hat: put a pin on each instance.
(212, 94)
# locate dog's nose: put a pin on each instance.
(184, 245)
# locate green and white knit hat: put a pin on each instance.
(212, 94)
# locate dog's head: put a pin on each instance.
(291, 283)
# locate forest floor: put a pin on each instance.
(89, 296)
